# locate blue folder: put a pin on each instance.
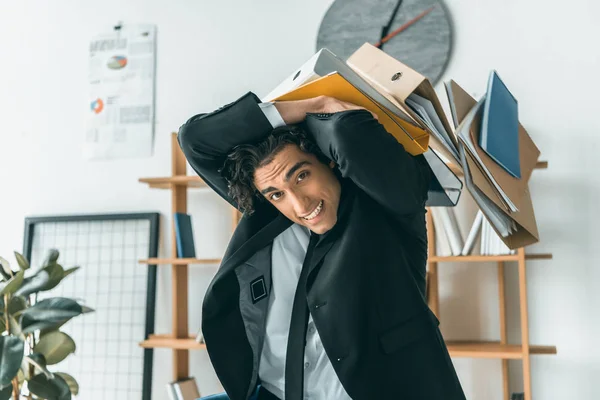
(499, 135)
(184, 236)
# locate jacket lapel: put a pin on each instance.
(320, 251)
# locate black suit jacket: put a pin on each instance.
(367, 281)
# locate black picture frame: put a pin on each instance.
(154, 219)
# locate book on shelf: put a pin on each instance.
(184, 235)
(491, 244)
(183, 389)
(449, 241)
(442, 243)
(472, 236)
(449, 231)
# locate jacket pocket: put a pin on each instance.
(414, 329)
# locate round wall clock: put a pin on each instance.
(416, 32)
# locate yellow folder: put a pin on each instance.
(414, 139)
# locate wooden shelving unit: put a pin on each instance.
(179, 340)
(501, 350)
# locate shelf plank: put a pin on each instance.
(468, 349)
(540, 256)
(479, 258)
(169, 342)
(176, 180)
(180, 261)
(474, 349)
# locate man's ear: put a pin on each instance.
(331, 165)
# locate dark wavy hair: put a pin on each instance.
(241, 163)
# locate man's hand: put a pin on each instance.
(294, 112)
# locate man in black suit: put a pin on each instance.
(321, 292)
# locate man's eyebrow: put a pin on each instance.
(288, 175)
(295, 168)
(267, 190)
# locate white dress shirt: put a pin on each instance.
(287, 257)
(320, 379)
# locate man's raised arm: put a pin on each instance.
(206, 139)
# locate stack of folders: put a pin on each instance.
(499, 188)
(488, 144)
(183, 389)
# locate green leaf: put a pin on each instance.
(54, 389)
(39, 361)
(51, 328)
(15, 327)
(44, 326)
(49, 312)
(70, 271)
(55, 346)
(22, 261)
(16, 304)
(56, 274)
(13, 284)
(11, 355)
(6, 393)
(86, 310)
(7, 272)
(73, 385)
(51, 257)
(33, 284)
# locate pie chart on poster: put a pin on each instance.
(97, 106)
(117, 62)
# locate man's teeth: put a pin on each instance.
(316, 212)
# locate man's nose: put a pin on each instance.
(301, 205)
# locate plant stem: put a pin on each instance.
(15, 383)
(6, 313)
(31, 343)
(15, 380)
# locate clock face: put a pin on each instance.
(424, 46)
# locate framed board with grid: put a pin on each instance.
(108, 362)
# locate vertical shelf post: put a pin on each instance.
(432, 268)
(503, 331)
(179, 273)
(524, 324)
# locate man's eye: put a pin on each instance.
(302, 175)
(276, 196)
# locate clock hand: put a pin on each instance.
(386, 28)
(403, 27)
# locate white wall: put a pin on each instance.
(210, 53)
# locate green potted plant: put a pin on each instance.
(31, 339)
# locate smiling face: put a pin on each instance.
(301, 187)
